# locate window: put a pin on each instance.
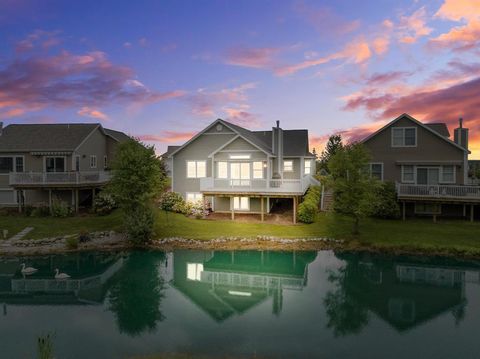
(93, 161)
(194, 271)
(194, 197)
(241, 203)
(19, 166)
(77, 163)
(308, 167)
(6, 164)
(448, 174)
(239, 157)
(376, 171)
(408, 174)
(404, 136)
(240, 173)
(428, 208)
(196, 169)
(222, 170)
(55, 164)
(288, 166)
(258, 170)
(105, 161)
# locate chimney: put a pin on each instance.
(277, 146)
(460, 135)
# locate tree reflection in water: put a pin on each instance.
(136, 293)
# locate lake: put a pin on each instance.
(241, 304)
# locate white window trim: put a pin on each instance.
(414, 174)
(284, 170)
(93, 157)
(454, 175)
(261, 170)
(376, 163)
(240, 203)
(196, 168)
(14, 164)
(403, 130)
(45, 162)
(195, 194)
(305, 167)
(227, 172)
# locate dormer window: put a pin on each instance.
(404, 136)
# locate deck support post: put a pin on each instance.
(403, 211)
(434, 218)
(93, 196)
(262, 211)
(471, 212)
(76, 201)
(464, 211)
(294, 210)
(233, 211)
(50, 200)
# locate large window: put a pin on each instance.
(196, 169)
(222, 169)
(194, 197)
(240, 173)
(19, 165)
(258, 170)
(448, 174)
(6, 164)
(288, 166)
(404, 136)
(194, 271)
(308, 167)
(241, 203)
(55, 164)
(408, 174)
(376, 170)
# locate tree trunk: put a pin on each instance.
(356, 224)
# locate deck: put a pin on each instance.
(58, 179)
(444, 193)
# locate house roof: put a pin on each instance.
(170, 150)
(50, 137)
(441, 128)
(295, 142)
(428, 128)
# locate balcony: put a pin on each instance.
(442, 192)
(256, 186)
(63, 179)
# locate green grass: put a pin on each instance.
(418, 233)
(51, 227)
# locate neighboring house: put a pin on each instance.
(430, 170)
(241, 171)
(43, 162)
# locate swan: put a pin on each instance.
(59, 275)
(28, 270)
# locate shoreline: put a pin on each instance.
(111, 241)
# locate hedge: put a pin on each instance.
(308, 209)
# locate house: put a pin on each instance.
(43, 162)
(241, 171)
(429, 168)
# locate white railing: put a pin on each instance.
(438, 191)
(58, 178)
(256, 185)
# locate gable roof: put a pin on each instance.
(49, 137)
(295, 142)
(441, 128)
(407, 116)
(117, 135)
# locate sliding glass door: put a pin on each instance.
(240, 173)
(428, 176)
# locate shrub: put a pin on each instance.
(308, 209)
(104, 204)
(182, 207)
(386, 205)
(45, 347)
(71, 243)
(61, 209)
(199, 210)
(84, 236)
(139, 224)
(169, 200)
(42, 211)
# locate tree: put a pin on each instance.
(353, 187)
(333, 145)
(138, 178)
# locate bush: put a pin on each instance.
(199, 210)
(308, 209)
(61, 209)
(182, 207)
(104, 204)
(386, 205)
(169, 200)
(71, 243)
(139, 224)
(42, 211)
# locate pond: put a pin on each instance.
(241, 304)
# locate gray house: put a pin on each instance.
(43, 162)
(241, 171)
(429, 168)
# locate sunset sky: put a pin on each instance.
(163, 70)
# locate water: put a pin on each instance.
(241, 305)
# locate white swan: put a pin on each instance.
(28, 270)
(59, 275)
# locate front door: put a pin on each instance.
(428, 176)
(240, 173)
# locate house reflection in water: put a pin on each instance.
(228, 283)
(89, 273)
(402, 292)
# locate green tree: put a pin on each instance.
(353, 188)
(138, 178)
(334, 143)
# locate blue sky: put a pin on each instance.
(162, 70)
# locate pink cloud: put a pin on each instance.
(252, 57)
(412, 27)
(241, 116)
(386, 77)
(93, 113)
(168, 137)
(42, 38)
